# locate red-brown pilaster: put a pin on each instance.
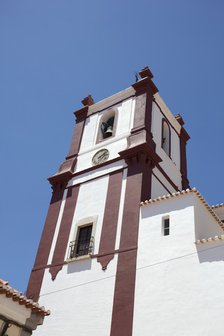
(141, 158)
(67, 167)
(184, 137)
(63, 234)
(36, 277)
(139, 176)
(109, 228)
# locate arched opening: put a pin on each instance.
(165, 137)
(106, 128)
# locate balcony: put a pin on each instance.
(80, 247)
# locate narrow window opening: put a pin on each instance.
(166, 137)
(84, 237)
(83, 245)
(166, 227)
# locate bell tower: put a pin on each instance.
(125, 149)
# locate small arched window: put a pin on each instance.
(107, 125)
(166, 145)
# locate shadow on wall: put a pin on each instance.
(79, 265)
(210, 252)
(165, 207)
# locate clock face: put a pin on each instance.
(100, 156)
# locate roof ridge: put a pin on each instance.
(184, 192)
(209, 240)
(217, 205)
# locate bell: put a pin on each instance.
(108, 132)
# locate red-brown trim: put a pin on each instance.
(66, 169)
(112, 105)
(87, 170)
(81, 116)
(92, 256)
(143, 109)
(139, 174)
(122, 317)
(109, 228)
(84, 171)
(184, 137)
(141, 158)
(161, 183)
(164, 120)
(167, 177)
(36, 276)
(97, 177)
(63, 234)
(165, 116)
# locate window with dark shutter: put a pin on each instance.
(83, 241)
(166, 227)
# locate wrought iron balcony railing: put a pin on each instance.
(80, 247)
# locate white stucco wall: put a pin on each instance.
(90, 203)
(115, 144)
(179, 285)
(160, 185)
(82, 292)
(80, 299)
(171, 165)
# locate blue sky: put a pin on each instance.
(54, 53)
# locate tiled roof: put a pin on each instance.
(12, 293)
(209, 240)
(181, 193)
(217, 206)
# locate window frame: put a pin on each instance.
(91, 220)
(165, 121)
(165, 229)
(78, 240)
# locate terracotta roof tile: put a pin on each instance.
(12, 293)
(217, 206)
(181, 193)
(209, 240)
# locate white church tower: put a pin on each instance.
(116, 256)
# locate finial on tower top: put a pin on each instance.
(87, 101)
(179, 119)
(145, 72)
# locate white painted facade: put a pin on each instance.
(179, 285)
(82, 294)
(178, 288)
(82, 291)
(89, 145)
(171, 165)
